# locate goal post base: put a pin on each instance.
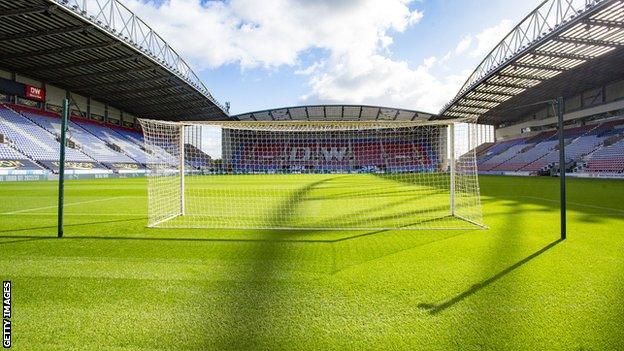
(480, 225)
(164, 220)
(473, 226)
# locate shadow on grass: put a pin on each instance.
(591, 200)
(437, 308)
(249, 316)
(381, 252)
(273, 238)
(68, 225)
(21, 239)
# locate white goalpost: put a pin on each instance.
(312, 175)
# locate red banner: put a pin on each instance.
(35, 93)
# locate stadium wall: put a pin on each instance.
(54, 95)
(594, 101)
(518, 130)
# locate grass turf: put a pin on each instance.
(330, 201)
(113, 284)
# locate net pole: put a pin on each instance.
(452, 165)
(61, 191)
(562, 167)
(182, 155)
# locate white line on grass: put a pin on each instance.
(574, 203)
(69, 204)
(77, 214)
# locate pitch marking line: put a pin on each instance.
(69, 204)
(79, 214)
(575, 203)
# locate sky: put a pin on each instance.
(262, 54)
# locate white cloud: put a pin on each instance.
(211, 142)
(273, 33)
(490, 37)
(355, 34)
(379, 80)
(463, 45)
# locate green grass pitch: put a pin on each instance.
(312, 201)
(112, 284)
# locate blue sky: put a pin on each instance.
(268, 54)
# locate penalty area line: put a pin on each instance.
(26, 214)
(69, 204)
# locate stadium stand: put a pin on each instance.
(196, 158)
(579, 142)
(118, 139)
(32, 140)
(31, 134)
(593, 148)
(8, 153)
(396, 155)
(500, 153)
(534, 149)
(83, 140)
(608, 160)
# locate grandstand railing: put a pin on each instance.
(117, 20)
(549, 16)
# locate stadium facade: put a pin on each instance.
(115, 69)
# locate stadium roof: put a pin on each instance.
(562, 48)
(335, 113)
(99, 48)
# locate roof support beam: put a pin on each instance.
(117, 83)
(475, 110)
(605, 23)
(180, 105)
(45, 33)
(564, 56)
(134, 91)
(592, 42)
(542, 67)
(479, 90)
(206, 108)
(25, 11)
(79, 64)
(521, 76)
(481, 100)
(460, 114)
(169, 99)
(63, 50)
(506, 85)
(104, 73)
(472, 105)
(160, 96)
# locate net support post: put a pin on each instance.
(562, 166)
(61, 184)
(452, 165)
(182, 155)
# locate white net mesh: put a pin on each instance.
(312, 175)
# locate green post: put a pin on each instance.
(61, 193)
(562, 166)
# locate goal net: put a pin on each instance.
(312, 175)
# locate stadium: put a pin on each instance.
(138, 213)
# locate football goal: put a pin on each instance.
(307, 175)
